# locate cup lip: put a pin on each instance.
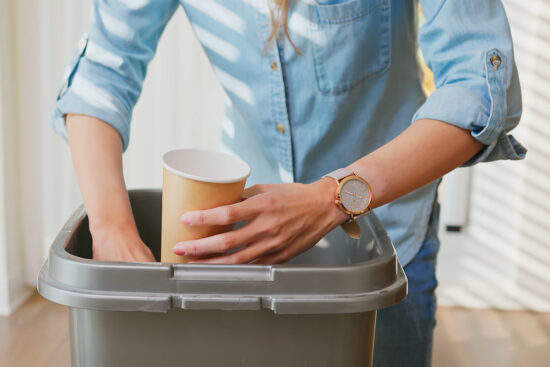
(202, 178)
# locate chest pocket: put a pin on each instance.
(351, 42)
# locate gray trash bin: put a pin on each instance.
(318, 310)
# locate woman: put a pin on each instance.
(312, 86)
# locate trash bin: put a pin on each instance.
(317, 310)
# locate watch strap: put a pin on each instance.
(362, 214)
(352, 229)
(339, 174)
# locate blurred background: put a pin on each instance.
(494, 264)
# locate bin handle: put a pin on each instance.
(198, 272)
(250, 303)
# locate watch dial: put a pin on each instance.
(355, 195)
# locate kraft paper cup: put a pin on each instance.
(195, 179)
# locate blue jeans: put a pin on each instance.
(404, 332)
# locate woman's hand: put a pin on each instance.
(96, 150)
(118, 244)
(282, 221)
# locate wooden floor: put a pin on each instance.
(37, 335)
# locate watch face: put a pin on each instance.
(355, 195)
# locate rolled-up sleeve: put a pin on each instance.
(106, 72)
(468, 46)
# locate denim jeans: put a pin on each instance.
(404, 332)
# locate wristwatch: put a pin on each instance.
(353, 196)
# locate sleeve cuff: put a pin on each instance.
(480, 106)
(505, 147)
(79, 95)
(71, 103)
(461, 107)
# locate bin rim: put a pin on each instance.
(62, 279)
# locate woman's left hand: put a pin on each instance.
(282, 221)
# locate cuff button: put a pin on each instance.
(495, 61)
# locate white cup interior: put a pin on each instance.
(206, 165)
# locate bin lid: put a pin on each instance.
(357, 276)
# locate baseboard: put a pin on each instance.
(19, 297)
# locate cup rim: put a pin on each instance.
(232, 157)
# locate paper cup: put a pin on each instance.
(195, 179)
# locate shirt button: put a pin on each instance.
(274, 65)
(281, 128)
(495, 61)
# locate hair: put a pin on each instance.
(279, 18)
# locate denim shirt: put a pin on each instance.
(355, 86)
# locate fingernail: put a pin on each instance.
(179, 250)
(185, 219)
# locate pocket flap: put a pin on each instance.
(343, 12)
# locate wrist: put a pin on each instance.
(327, 193)
(110, 213)
(103, 228)
(375, 178)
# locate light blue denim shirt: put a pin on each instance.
(356, 86)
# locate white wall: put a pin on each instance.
(503, 257)
(501, 260)
(13, 285)
(181, 106)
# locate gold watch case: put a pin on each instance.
(338, 201)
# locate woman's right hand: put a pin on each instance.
(120, 245)
(96, 150)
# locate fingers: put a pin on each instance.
(222, 215)
(256, 189)
(228, 214)
(147, 255)
(243, 256)
(275, 230)
(145, 258)
(276, 258)
(216, 244)
(298, 246)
